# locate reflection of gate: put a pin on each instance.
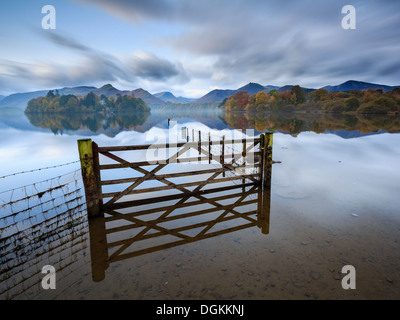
(169, 223)
(252, 165)
(179, 206)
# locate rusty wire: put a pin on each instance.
(40, 222)
(39, 169)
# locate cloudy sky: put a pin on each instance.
(190, 47)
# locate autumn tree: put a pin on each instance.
(237, 101)
(297, 95)
(351, 104)
(319, 95)
(261, 101)
(89, 100)
(89, 103)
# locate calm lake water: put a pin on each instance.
(334, 201)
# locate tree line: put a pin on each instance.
(320, 100)
(93, 121)
(295, 123)
(53, 102)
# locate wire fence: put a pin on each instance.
(43, 223)
(218, 149)
(39, 169)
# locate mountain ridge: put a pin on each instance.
(218, 95)
(358, 85)
(169, 97)
(20, 100)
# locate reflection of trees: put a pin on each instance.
(59, 122)
(294, 123)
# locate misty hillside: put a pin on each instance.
(20, 100)
(359, 85)
(169, 97)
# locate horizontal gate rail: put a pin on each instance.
(183, 185)
(150, 230)
(174, 175)
(238, 163)
(133, 203)
(171, 145)
(184, 160)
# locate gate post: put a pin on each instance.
(261, 159)
(98, 248)
(264, 209)
(90, 169)
(267, 158)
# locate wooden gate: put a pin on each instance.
(118, 236)
(251, 166)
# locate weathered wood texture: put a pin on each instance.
(91, 168)
(89, 157)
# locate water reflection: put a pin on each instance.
(95, 122)
(334, 202)
(41, 224)
(132, 232)
(62, 236)
(345, 125)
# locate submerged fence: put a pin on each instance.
(255, 153)
(44, 223)
(166, 223)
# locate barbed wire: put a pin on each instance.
(40, 169)
(39, 182)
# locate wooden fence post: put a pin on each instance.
(268, 141)
(261, 158)
(89, 157)
(209, 148)
(98, 248)
(264, 209)
(199, 147)
(222, 159)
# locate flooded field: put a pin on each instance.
(333, 202)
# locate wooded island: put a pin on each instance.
(320, 100)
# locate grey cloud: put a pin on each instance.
(67, 42)
(103, 61)
(136, 10)
(274, 39)
(151, 67)
(53, 75)
(93, 67)
(146, 66)
(249, 40)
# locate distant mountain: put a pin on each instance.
(289, 87)
(219, 95)
(252, 88)
(269, 88)
(170, 98)
(109, 90)
(20, 100)
(147, 97)
(359, 85)
(284, 88)
(78, 91)
(216, 95)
